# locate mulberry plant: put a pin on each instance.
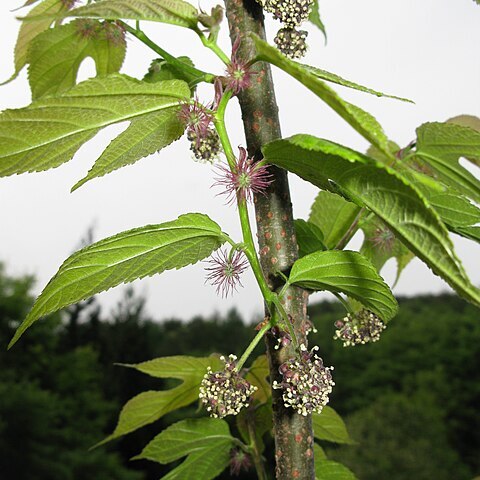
(407, 201)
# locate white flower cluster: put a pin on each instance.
(226, 392)
(360, 328)
(306, 382)
(291, 42)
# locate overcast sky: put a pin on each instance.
(425, 50)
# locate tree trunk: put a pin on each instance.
(276, 237)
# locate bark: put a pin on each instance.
(276, 236)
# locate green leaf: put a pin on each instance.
(334, 78)
(329, 426)
(441, 145)
(309, 237)
(455, 210)
(149, 406)
(361, 121)
(133, 254)
(318, 452)
(29, 30)
(49, 131)
(329, 470)
(257, 375)
(56, 54)
(314, 18)
(380, 244)
(175, 12)
(472, 233)
(345, 272)
(161, 69)
(333, 215)
(206, 441)
(383, 191)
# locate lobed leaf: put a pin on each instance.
(29, 29)
(175, 12)
(329, 426)
(56, 54)
(384, 192)
(361, 121)
(125, 257)
(148, 407)
(49, 131)
(455, 210)
(309, 237)
(349, 273)
(333, 215)
(441, 145)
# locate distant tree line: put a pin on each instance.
(411, 401)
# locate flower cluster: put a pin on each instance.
(289, 40)
(247, 178)
(306, 382)
(359, 328)
(225, 271)
(283, 338)
(204, 141)
(239, 461)
(225, 392)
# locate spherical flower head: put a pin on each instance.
(239, 72)
(196, 117)
(114, 33)
(246, 179)
(225, 392)
(290, 12)
(383, 239)
(291, 42)
(239, 461)
(359, 328)
(225, 271)
(306, 382)
(206, 147)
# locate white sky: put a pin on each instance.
(425, 50)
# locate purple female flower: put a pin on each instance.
(244, 180)
(225, 271)
(239, 72)
(197, 118)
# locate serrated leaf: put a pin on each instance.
(56, 54)
(361, 121)
(257, 375)
(470, 121)
(455, 210)
(384, 192)
(125, 257)
(333, 215)
(334, 78)
(149, 406)
(143, 137)
(349, 273)
(29, 30)
(315, 19)
(329, 426)
(309, 237)
(329, 470)
(175, 12)
(441, 145)
(49, 131)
